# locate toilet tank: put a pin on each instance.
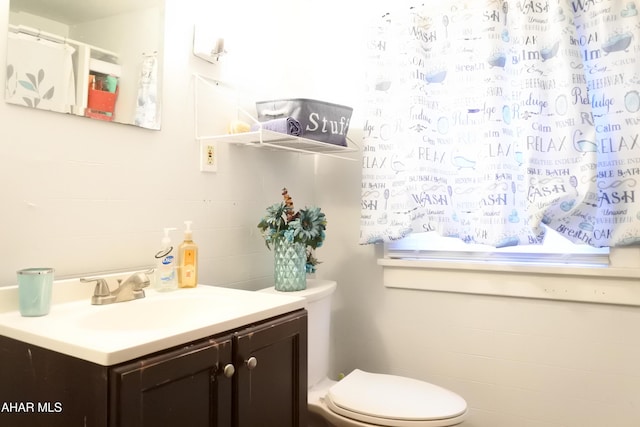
(318, 295)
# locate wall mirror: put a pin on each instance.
(90, 58)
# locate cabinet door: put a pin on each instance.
(43, 388)
(271, 373)
(183, 387)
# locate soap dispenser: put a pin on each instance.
(166, 279)
(188, 259)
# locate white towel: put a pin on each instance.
(287, 125)
(39, 73)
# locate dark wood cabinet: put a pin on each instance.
(187, 384)
(271, 376)
(252, 376)
(43, 388)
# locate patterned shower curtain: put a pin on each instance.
(489, 118)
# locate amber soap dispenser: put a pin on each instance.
(188, 260)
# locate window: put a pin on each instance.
(556, 270)
(555, 250)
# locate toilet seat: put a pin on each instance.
(393, 401)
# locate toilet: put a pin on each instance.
(365, 398)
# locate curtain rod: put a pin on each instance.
(59, 39)
(39, 34)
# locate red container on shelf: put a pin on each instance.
(101, 104)
(102, 100)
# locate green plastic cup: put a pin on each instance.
(34, 291)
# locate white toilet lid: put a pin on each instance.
(391, 400)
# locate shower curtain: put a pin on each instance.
(486, 119)
(39, 73)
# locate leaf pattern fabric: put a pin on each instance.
(40, 73)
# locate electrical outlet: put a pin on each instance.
(208, 156)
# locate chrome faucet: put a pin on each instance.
(129, 289)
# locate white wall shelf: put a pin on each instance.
(279, 141)
(263, 138)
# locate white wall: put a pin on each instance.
(83, 196)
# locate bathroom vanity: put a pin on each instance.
(247, 367)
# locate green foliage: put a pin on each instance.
(306, 226)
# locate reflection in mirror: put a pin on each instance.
(90, 58)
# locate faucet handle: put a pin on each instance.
(101, 289)
(137, 281)
(144, 279)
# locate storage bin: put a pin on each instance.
(101, 104)
(320, 121)
(102, 100)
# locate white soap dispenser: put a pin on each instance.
(166, 264)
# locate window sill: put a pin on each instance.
(604, 285)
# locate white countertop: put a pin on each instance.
(115, 333)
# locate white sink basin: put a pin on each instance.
(119, 332)
(159, 311)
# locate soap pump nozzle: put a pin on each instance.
(165, 244)
(188, 234)
(166, 240)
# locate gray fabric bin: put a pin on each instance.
(320, 121)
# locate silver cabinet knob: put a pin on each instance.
(251, 363)
(229, 370)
